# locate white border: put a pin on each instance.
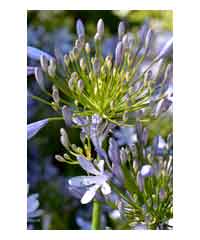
(13, 118)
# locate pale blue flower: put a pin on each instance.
(35, 53)
(33, 210)
(34, 128)
(99, 180)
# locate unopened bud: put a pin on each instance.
(119, 54)
(75, 53)
(44, 63)
(59, 158)
(39, 78)
(96, 66)
(79, 44)
(66, 60)
(123, 155)
(67, 115)
(80, 30)
(80, 85)
(121, 30)
(55, 94)
(125, 41)
(83, 64)
(87, 48)
(140, 181)
(100, 27)
(97, 38)
(64, 138)
(52, 68)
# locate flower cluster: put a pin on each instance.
(111, 99)
(113, 87)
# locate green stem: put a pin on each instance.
(96, 215)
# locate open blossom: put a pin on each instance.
(98, 181)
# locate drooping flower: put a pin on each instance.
(98, 181)
(35, 53)
(34, 128)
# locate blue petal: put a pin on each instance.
(87, 165)
(30, 70)
(34, 128)
(35, 53)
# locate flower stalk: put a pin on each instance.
(96, 215)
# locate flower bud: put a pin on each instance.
(100, 27)
(121, 30)
(44, 63)
(96, 66)
(87, 48)
(83, 64)
(147, 171)
(71, 83)
(66, 59)
(123, 155)
(75, 53)
(140, 181)
(64, 138)
(80, 30)
(119, 54)
(59, 158)
(55, 94)
(80, 85)
(125, 41)
(97, 38)
(145, 136)
(39, 78)
(52, 68)
(67, 115)
(79, 44)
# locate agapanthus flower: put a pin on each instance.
(34, 128)
(110, 87)
(33, 211)
(93, 183)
